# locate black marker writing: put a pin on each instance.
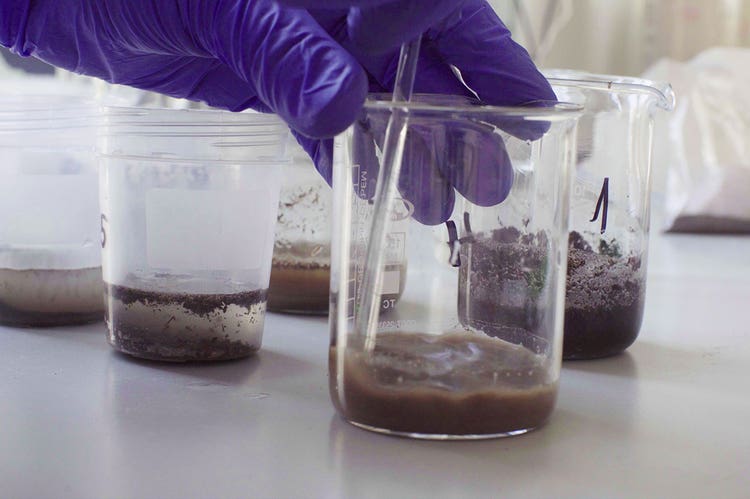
(602, 205)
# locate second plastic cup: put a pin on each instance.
(189, 201)
(468, 340)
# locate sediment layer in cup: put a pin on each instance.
(185, 326)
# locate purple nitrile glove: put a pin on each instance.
(474, 40)
(441, 154)
(311, 66)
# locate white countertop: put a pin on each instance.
(670, 418)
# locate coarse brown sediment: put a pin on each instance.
(140, 342)
(501, 275)
(455, 384)
(200, 304)
(604, 301)
(501, 281)
(181, 327)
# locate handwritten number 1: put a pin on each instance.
(454, 244)
(602, 205)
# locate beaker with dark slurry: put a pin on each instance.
(610, 209)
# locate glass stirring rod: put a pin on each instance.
(393, 152)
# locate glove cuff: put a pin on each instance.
(14, 15)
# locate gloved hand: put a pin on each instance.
(441, 155)
(313, 67)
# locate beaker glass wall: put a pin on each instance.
(610, 209)
(481, 210)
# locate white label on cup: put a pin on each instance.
(391, 282)
(207, 230)
(49, 210)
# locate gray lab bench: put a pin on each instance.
(671, 418)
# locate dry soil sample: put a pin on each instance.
(458, 384)
(501, 281)
(604, 300)
(299, 287)
(50, 297)
(182, 327)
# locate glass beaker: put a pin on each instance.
(433, 365)
(50, 259)
(610, 209)
(301, 269)
(189, 201)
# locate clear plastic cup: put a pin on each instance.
(610, 209)
(440, 361)
(301, 269)
(50, 260)
(189, 201)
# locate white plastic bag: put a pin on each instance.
(707, 149)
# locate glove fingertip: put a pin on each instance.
(421, 182)
(331, 104)
(477, 164)
(437, 210)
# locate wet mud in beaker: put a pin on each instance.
(458, 384)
